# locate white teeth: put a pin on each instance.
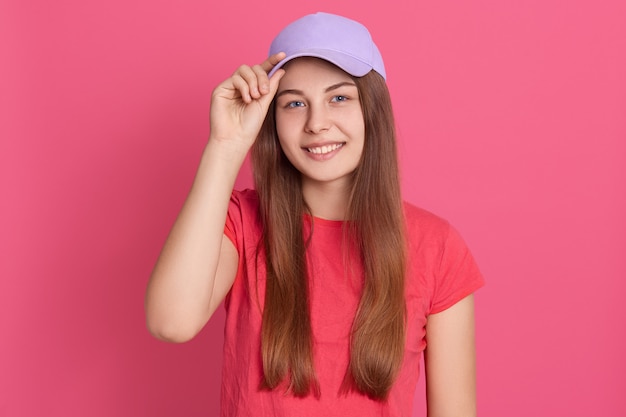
(325, 149)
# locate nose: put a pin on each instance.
(318, 119)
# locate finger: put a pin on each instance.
(242, 87)
(275, 80)
(273, 88)
(250, 76)
(270, 62)
(263, 81)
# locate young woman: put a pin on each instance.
(333, 286)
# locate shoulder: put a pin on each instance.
(431, 234)
(244, 204)
(421, 223)
(246, 198)
(243, 218)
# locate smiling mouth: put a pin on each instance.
(321, 150)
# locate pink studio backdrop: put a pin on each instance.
(511, 117)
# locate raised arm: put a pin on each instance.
(450, 361)
(198, 264)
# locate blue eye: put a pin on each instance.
(293, 104)
(339, 98)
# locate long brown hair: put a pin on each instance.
(376, 227)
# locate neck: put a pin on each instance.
(326, 200)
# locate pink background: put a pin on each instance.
(512, 120)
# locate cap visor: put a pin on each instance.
(349, 64)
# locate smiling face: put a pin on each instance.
(319, 121)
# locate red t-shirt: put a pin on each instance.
(441, 271)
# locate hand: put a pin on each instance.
(240, 103)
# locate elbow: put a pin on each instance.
(170, 327)
(169, 332)
(173, 323)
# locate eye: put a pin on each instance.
(294, 104)
(339, 99)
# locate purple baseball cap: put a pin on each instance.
(336, 39)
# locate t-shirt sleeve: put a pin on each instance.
(457, 275)
(234, 231)
(234, 220)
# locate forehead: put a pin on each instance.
(311, 71)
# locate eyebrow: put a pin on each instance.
(327, 90)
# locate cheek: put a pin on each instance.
(356, 124)
(286, 128)
(353, 116)
(282, 130)
(281, 122)
(282, 134)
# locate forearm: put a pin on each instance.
(180, 297)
